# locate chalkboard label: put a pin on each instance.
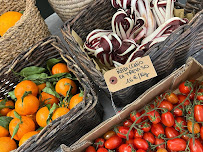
(130, 74)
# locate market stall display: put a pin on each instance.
(28, 30)
(39, 66)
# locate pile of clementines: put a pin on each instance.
(36, 101)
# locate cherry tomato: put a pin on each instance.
(138, 135)
(178, 111)
(140, 150)
(161, 150)
(167, 119)
(159, 141)
(185, 137)
(198, 113)
(196, 127)
(201, 132)
(90, 149)
(166, 105)
(127, 123)
(196, 146)
(170, 132)
(102, 150)
(109, 134)
(154, 116)
(143, 117)
(140, 143)
(113, 142)
(182, 98)
(130, 142)
(172, 98)
(122, 132)
(125, 148)
(148, 136)
(192, 95)
(99, 142)
(179, 123)
(134, 115)
(146, 126)
(157, 129)
(184, 87)
(176, 144)
(200, 95)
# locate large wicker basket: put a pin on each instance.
(166, 56)
(68, 8)
(78, 121)
(26, 32)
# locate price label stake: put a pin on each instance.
(130, 74)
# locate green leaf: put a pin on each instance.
(31, 70)
(12, 95)
(51, 63)
(51, 112)
(26, 93)
(15, 130)
(4, 121)
(17, 115)
(36, 76)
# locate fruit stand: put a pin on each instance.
(55, 95)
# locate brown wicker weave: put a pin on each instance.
(165, 57)
(78, 121)
(27, 31)
(68, 8)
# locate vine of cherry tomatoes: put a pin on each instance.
(172, 122)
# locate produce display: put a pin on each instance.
(41, 96)
(136, 26)
(172, 122)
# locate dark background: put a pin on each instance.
(44, 8)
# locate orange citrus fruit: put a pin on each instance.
(59, 68)
(48, 98)
(29, 105)
(63, 85)
(4, 111)
(75, 100)
(42, 116)
(11, 114)
(3, 132)
(23, 86)
(7, 144)
(26, 126)
(41, 86)
(59, 112)
(7, 20)
(33, 117)
(27, 136)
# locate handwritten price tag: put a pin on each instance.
(130, 74)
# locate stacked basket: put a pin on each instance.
(26, 32)
(78, 121)
(166, 56)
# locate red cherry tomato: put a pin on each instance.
(184, 87)
(157, 129)
(192, 95)
(122, 132)
(179, 123)
(143, 117)
(90, 149)
(125, 148)
(146, 126)
(201, 132)
(167, 119)
(198, 113)
(138, 135)
(99, 142)
(178, 111)
(102, 150)
(185, 136)
(140, 150)
(134, 115)
(176, 144)
(166, 105)
(154, 117)
(200, 95)
(109, 134)
(159, 141)
(127, 123)
(140, 143)
(130, 142)
(172, 98)
(196, 146)
(113, 142)
(182, 98)
(148, 136)
(170, 132)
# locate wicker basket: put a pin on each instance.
(68, 8)
(26, 32)
(166, 56)
(78, 121)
